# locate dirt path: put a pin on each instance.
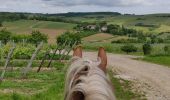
(151, 79)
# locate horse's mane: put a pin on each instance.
(87, 79)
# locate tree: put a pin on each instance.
(129, 48)
(70, 38)
(1, 24)
(37, 37)
(114, 29)
(167, 49)
(5, 36)
(147, 49)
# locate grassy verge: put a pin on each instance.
(157, 49)
(111, 48)
(123, 90)
(162, 60)
(45, 85)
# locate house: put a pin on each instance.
(104, 28)
(91, 27)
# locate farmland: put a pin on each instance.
(52, 29)
(151, 29)
(131, 21)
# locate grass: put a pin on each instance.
(46, 85)
(123, 90)
(109, 47)
(52, 29)
(98, 37)
(157, 49)
(22, 25)
(162, 60)
(54, 25)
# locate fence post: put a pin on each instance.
(7, 61)
(57, 49)
(28, 68)
(69, 50)
(1, 51)
(43, 60)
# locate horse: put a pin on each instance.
(87, 79)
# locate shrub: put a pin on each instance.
(129, 48)
(1, 24)
(125, 41)
(37, 37)
(167, 49)
(69, 38)
(5, 36)
(147, 49)
(23, 52)
(20, 38)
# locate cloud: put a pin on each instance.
(110, 3)
(62, 6)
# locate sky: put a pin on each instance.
(64, 6)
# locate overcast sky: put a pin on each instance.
(62, 6)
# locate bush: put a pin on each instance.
(129, 48)
(5, 36)
(1, 24)
(70, 38)
(23, 52)
(147, 49)
(167, 49)
(20, 38)
(125, 41)
(37, 37)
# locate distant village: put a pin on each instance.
(101, 27)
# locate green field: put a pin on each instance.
(27, 25)
(46, 85)
(52, 29)
(162, 60)
(130, 21)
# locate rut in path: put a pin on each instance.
(150, 78)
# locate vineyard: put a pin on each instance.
(28, 70)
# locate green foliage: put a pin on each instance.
(45, 85)
(1, 24)
(141, 38)
(129, 48)
(147, 25)
(125, 41)
(5, 36)
(23, 52)
(20, 52)
(37, 37)
(26, 51)
(147, 49)
(18, 38)
(114, 29)
(167, 49)
(86, 33)
(69, 38)
(155, 39)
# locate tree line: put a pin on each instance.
(35, 37)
